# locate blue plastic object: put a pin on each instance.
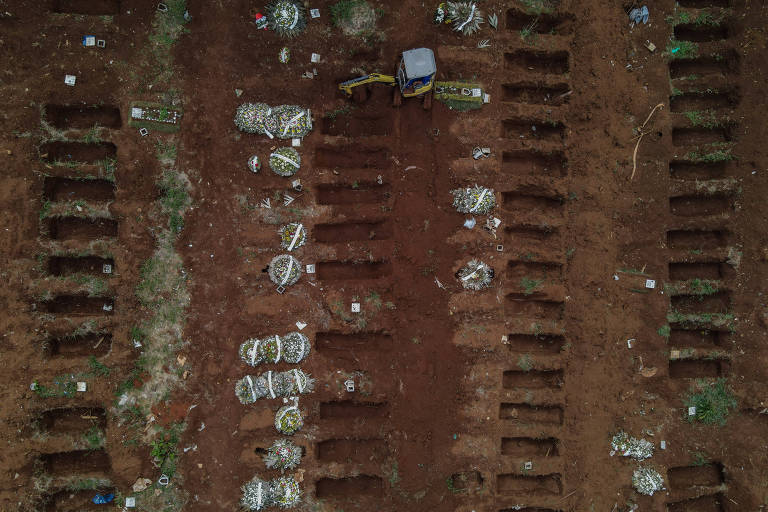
(639, 15)
(102, 499)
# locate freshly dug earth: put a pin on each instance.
(456, 391)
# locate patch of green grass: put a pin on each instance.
(530, 285)
(98, 368)
(175, 199)
(713, 402)
(664, 331)
(164, 448)
(716, 155)
(703, 287)
(525, 363)
(45, 209)
(136, 333)
(528, 34)
(93, 135)
(394, 475)
(679, 18)
(342, 11)
(86, 484)
(333, 114)
(705, 118)
(537, 7)
(95, 286)
(67, 163)
(452, 486)
(62, 386)
(706, 18)
(165, 151)
(94, 438)
(681, 50)
(699, 459)
(460, 105)
(374, 299)
(110, 166)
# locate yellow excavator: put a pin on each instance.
(415, 77)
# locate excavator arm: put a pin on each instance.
(367, 79)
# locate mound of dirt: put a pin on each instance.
(360, 19)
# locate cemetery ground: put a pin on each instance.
(135, 264)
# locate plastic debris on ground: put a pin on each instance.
(639, 15)
(102, 499)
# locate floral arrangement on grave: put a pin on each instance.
(283, 121)
(285, 55)
(287, 17)
(292, 348)
(258, 494)
(647, 481)
(252, 117)
(479, 200)
(627, 446)
(292, 236)
(465, 17)
(254, 164)
(292, 121)
(285, 161)
(272, 385)
(288, 419)
(284, 270)
(475, 275)
(282, 455)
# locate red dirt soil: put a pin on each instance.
(456, 390)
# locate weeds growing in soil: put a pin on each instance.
(713, 402)
(681, 50)
(45, 210)
(699, 459)
(98, 368)
(528, 32)
(110, 166)
(175, 198)
(165, 447)
(94, 438)
(87, 484)
(664, 331)
(530, 285)
(342, 11)
(165, 151)
(93, 135)
(538, 7)
(162, 289)
(62, 386)
(716, 155)
(333, 114)
(702, 287)
(705, 118)
(525, 363)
